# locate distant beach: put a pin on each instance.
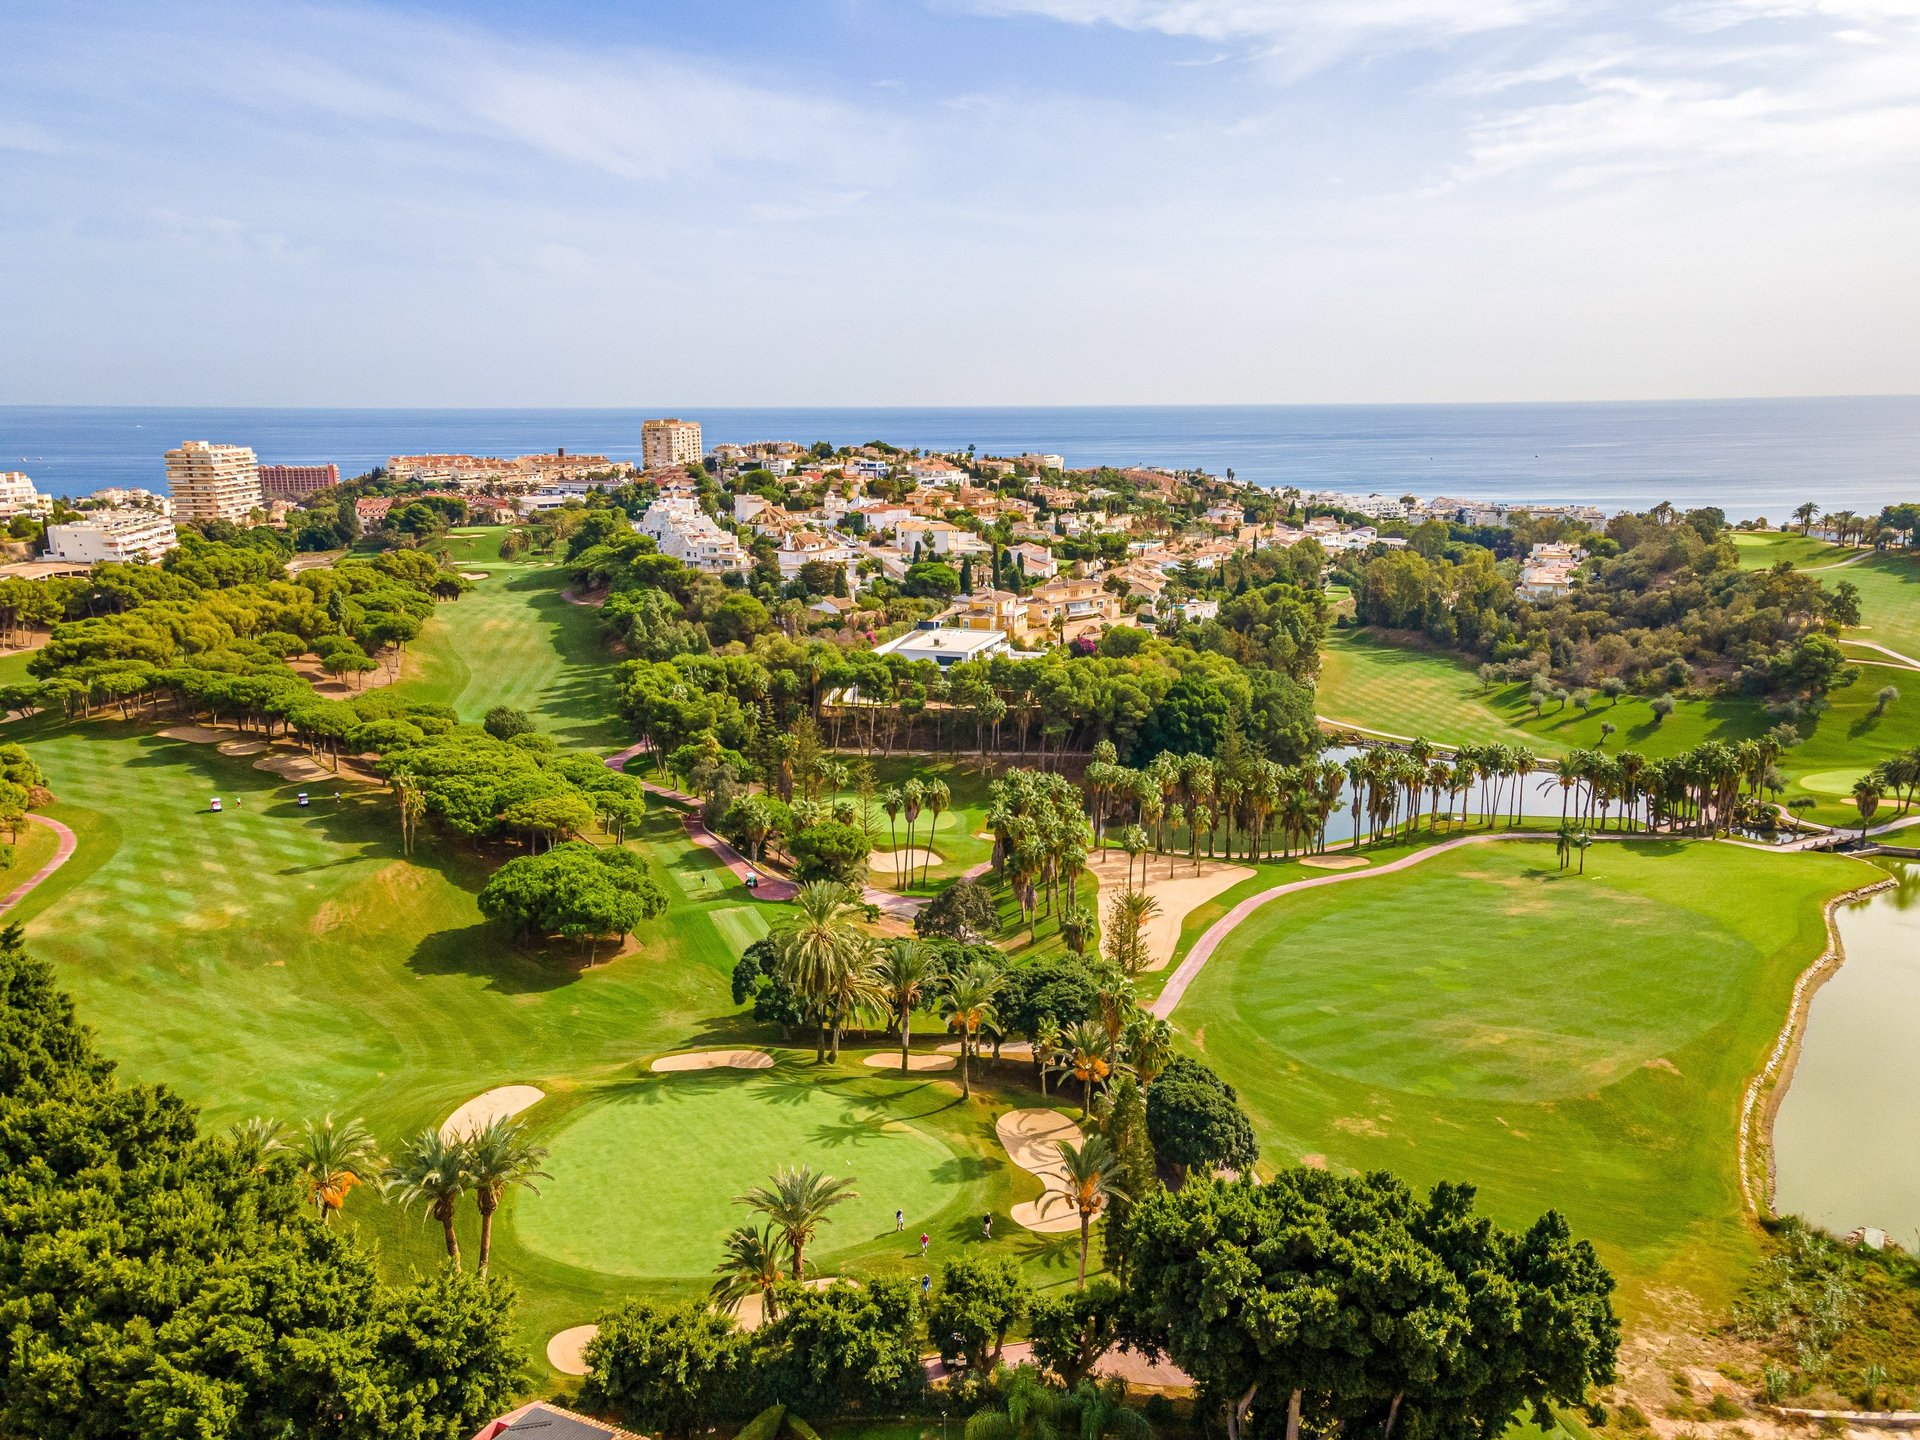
(1750, 457)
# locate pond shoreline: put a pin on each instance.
(1761, 1105)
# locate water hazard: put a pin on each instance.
(1847, 1138)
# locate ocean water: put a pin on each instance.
(1750, 457)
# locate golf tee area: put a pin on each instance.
(1562, 1039)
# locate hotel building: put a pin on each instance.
(666, 444)
(213, 482)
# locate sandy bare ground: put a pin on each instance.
(1032, 1138)
(295, 767)
(1334, 862)
(196, 734)
(889, 862)
(1013, 1050)
(1179, 897)
(500, 1103)
(890, 1060)
(567, 1351)
(471, 574)
(340, 687)
(241, 747)
(715, 1060)
(752, 1313)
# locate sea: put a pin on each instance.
(1751, 458)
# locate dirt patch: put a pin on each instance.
(1361, 1125)
(1178, 896)
(1314, 1162)
(1663, 1064)
(715, 1060)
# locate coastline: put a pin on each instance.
(1769, 1087)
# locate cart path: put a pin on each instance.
(63, 852)
(1209, 942)
(1895, 655)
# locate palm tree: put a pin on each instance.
(431, 1175)
(1866, 796)
(939, 797)
(749, 1265)
(500, 1156)
(859, 987)
(913, 796)
(1088, 1168)
(1149, 1047)
(797, 1203)
(969, 1005)
(815, 945)
(334, 1159)
(908, 971)
(891, 801)
(413, 808)
(258, 1135)
(1090, 1058)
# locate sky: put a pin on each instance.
(913, 202)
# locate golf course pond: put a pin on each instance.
(645, 1181)
(1847, 1138)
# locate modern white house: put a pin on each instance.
(126, 536)
(944, 646)
(686, 532)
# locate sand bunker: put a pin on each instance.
(1013, 1050)
(890, 1060)
(1179, 896)
(567, 1351)
(1032, 1138)
(241, 747)
(1334, 862)
(889, 862)
(716, 1060)
(752, 1312)
(481, 1111)
(196, 734)
(295, 767)
(471, 574)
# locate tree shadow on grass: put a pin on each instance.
(480, 951)
(1051, 1252)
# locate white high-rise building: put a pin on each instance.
(213, 482)
(667, 443)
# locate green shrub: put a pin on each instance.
(765, 1425)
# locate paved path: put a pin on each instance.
(1906, 660)
(1204, 947)
(771, 888)
(62, 853)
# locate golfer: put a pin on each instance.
(986, 1226)
(899, 1221)
(924, 1242)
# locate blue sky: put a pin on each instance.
(957, 201)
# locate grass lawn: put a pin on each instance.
(1579, 1042)
(955, 839)
(512, 640)
(1763, 549)
(692, 1142)
(1889, 602)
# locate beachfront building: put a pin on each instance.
(19, 497)
(213, 482)
(297, 482)
(126, 536)
(686, 532)
(670, 443)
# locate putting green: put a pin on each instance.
(643, 1183)
(1831, 782)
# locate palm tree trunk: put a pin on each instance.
(1083, 1250)
(966, 1076)
(1293, 1416)
(906, 1035)
(486, 1235)
(453, 1242)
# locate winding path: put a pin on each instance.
(1906, 660)
(62, 853)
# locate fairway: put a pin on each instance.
(1366, 680)
(514, 640)
(1762, 549)
(644, 1181)
(1560, 1040)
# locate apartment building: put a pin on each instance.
(297, 482)
(118, 497)
(213, 482)
(127, 536)
(1067, 608)
(683, 530)
(665, 444)
(19, 497)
